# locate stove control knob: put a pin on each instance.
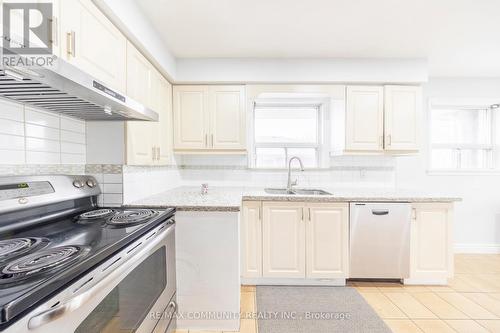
(91, 183)
(78, 183)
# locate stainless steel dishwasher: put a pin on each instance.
(380, 240)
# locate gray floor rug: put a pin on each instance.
(283, 309)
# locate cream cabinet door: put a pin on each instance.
(403, 106)
(140, 135)
(327, 240)
(227, 117)
(92, 43)
(365, 118)
(283, 244)
(163, 142)
(251, 239)
(191, 117)
(431, 249)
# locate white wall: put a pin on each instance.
(477, 218)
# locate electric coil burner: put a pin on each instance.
(41, 262)
(97, 214)
(132, 217)
(13, 248)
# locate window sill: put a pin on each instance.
(455, 172)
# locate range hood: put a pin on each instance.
(65, 89)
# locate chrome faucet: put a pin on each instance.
(290, 184)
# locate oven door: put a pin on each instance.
(137, 296)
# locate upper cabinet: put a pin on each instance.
(403, 106)
(382, 119)
(92, 43)
(365, 118)
(148, 143)
(209, 119)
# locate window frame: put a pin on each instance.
(492, 147)
(319, 145)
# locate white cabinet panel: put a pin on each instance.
(209, 118)
(251, 240)
(431, 243)
(227, 109)
(365, 118)
(283, 240)
(191, 117)
(403, 106)
(164, 127)
(327, 239)
(139, 134)
(92, 43)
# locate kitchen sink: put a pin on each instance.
(301, 191)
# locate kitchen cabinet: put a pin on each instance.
(294, 240)
(148, 143)
(365, 118)
(163, 128)
(209, 119)
(327, 240)
(251, 239)
(402, 106)
(283, 240)
(92, 43)
(191, 117)
(431, 245)
(383, 119)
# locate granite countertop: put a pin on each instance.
(218, 199)
(228, 199)
(353, 195)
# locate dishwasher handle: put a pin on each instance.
(380, 212)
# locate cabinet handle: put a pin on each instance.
(414, 214)
(260, 216)
(154, 153)
(302, 214)
(309, 214)
(70, 43)
(54, 31)
(158, 153)
(212, 137)
(389, 140)
(206, 140)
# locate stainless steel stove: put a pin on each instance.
(67, 265)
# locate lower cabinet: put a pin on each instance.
(299, 240)
(431, 249)
(327, 240)
(283, 240)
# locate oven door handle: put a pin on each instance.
(59, 311)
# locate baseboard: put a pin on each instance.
(477, 248)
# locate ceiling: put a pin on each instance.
(458, 37)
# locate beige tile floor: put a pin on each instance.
(469, 304)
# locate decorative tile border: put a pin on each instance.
(104, 168)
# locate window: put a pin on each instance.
(464, 138)
(281, 132)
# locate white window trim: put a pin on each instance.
(322, 149)
(465, 104)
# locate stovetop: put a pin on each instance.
(36, 262)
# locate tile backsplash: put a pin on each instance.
(110, 179)
(33, 137)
